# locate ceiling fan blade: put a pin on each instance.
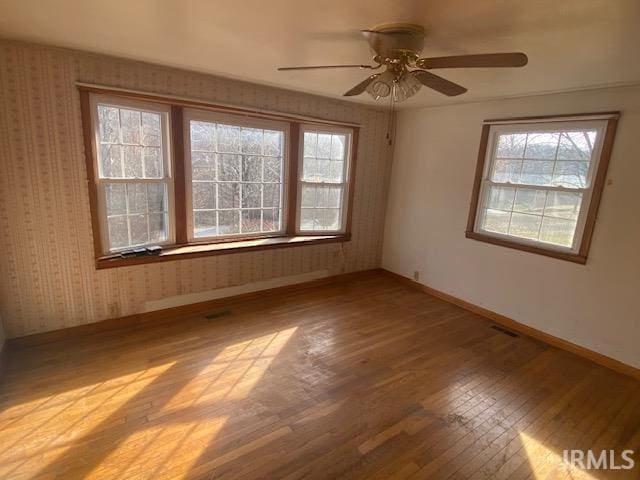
(317, 67)
(362, 86)
(438, 84)
(515, 59)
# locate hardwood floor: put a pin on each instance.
(365, 379)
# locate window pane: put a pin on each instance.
(132, 157)
(271, 220)
(229, 168)
(251, 169)
(116, 199)
(203, 136)
(252, 141)
(152, 162)
(251, 195)
(109, 124)
(138, 227)
(272, 170)
(271, 196)
(151, 129)
(136, 214)
(324, 146)
(571, 174)
(118, 232)
(228, 138)
(228, 222)
(130, 143)
(563, 205)
(251, 220)
(511, 146)
(228, 195)
(130, 125)
(576, 145)
(272, 143)
(157, 228)
(204, 222)
(110, 161)
(506, 171)
(156, 197)
(204, 195)
(337, 147)
(536, 172)
(310, 144)
(558, 231)
(501, 198)
(525, 226)
(243, 169)
(496, 221)
(542, 145)
(530, 201)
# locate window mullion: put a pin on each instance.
(176, 154)
(294, 195)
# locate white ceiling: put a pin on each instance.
(571, 44)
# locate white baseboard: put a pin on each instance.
(189, 298)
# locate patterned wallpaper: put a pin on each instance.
(47, 275)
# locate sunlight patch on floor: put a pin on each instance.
(182, 430)
(547, 464)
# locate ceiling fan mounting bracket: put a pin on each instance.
(396, 42)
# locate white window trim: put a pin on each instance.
(538, 127)
(239, 121)
(346, 177)
(167, 180)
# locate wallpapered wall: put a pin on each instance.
(48, 279)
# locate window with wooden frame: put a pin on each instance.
(539, 181)
(323, 185)
(200, 179)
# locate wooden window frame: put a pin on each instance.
(183, 247)
(347, 174)
(222, 118)
(598, 182)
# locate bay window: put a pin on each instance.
(172, 177)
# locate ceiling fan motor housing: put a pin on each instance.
(396, 41)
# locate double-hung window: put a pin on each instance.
(199, 179)
(323, 184)
(539, 182)
(134, 183)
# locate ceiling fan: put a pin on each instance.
(397, 48)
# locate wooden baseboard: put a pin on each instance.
(180, 311)
(512, 324)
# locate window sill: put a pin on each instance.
(205, 250)
(570, 257)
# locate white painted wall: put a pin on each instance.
(595, 305)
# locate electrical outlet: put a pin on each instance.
(416, 275)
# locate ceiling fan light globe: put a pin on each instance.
(382, 86)
(407, 86)
(379, 89)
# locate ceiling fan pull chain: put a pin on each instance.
(390, 121)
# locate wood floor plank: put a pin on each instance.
(365, 379)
